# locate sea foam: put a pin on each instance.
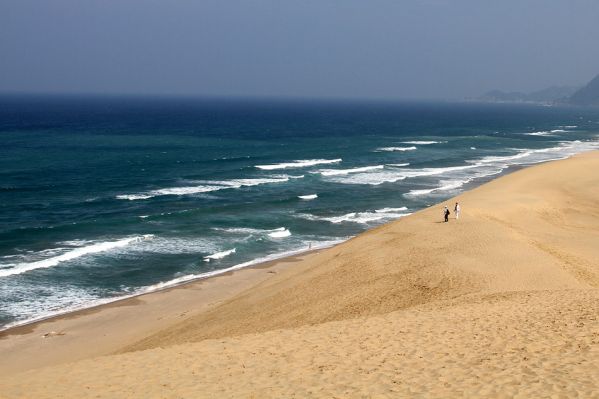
(539, 133)
(279, 233)
(207, 186)
(80, 299)
(394, 175)
(273, 233)
(360, 217)
(303, 163)
(219, 255)
(338, 172)
(12, 269)
(393, 149)
(445, 186)
(423, 142)
(267, 258)
(495, 164)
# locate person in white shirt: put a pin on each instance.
(456, 209)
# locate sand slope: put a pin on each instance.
(502, 303)
(504, 345)
(536, 229)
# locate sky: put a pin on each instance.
(387, 49)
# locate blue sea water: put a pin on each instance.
(101, 198)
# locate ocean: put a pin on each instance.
(103, 198)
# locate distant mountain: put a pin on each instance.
(587, 95)
(549, 95)
(552, 94)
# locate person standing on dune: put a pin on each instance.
(446, 213)
(456, 210)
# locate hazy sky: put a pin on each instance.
(320, 48)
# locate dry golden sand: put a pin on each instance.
(502, 303)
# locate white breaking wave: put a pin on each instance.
(337, 172)
(308, 197)
(171, 191)
(375, 178)
(19, 268)
(237, 183)
(206, 186)
(540, 133)
(241, 230)
(50, 300)
(551, 132)
(287, 177)
(219, 255)
(423, 142)
(398, 165)
(133, 197)
(361, 217)
(531, 156)
(473, 169)
(298, 164)
(268, 258)
(445, 186)
(391, 210)
(280, 233)
(82, 299)
(491, 165)
(394, 175)
(174, 245)
(185, 190)
(500, 158)
(392, 149)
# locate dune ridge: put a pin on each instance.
(501, 303)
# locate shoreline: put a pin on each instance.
(256, 263)
(500, 303)
(263, 262)
(10, 330)
(211, 291)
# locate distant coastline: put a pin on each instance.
(587, 96)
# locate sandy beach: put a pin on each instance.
(503, 302)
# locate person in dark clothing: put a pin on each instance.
(446, 214)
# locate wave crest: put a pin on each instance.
(337, 172)
(393, 149)
(423, 142)
(207, 186)
(361, 217)
(19, 268)
(302, 163)
(219, 255)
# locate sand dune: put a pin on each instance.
(531, 230)
(502, 303)
(528, 344)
